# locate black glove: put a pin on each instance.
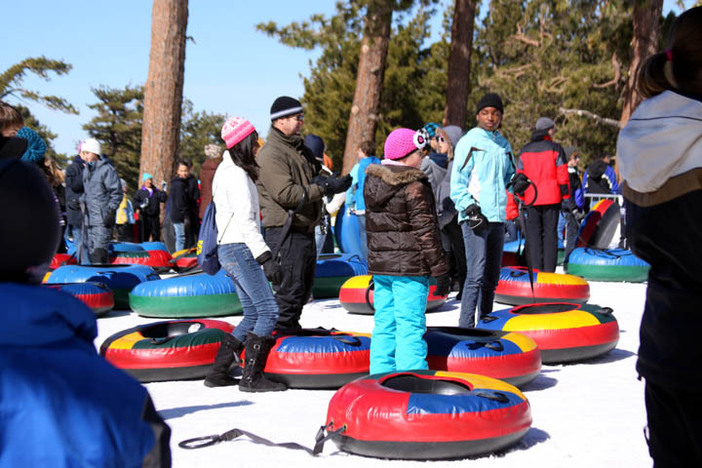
(443, 285)
(476, 219)
(270, 268)
(110, 218)
(520, 183)
(73, 204)
(568, 205)
(333, 184)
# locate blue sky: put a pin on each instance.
(230, 67)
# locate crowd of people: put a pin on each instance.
(436, 208)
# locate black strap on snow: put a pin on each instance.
(288, 224)
(522, 221)
(371, 287)
(322, 436)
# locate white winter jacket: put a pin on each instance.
(236, 199)
(660, 149)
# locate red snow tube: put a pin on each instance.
(156, 259)
(97, 296)
(61, 259)
(564, 332)
(425, 415)
(599, 225)
(172, 350)
(514, 287)
(356, 296)
(509, 356)
(318, 358)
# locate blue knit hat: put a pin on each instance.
(316, 144)
(431, 128)
(146, 176)
(36, 147)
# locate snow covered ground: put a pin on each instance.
(585, 414)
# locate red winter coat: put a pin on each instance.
(545, 163)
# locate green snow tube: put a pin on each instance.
(187, 296)
(615, 265)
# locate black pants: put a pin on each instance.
(542, 238)
(452, 242)
(674, 426)
(298, 260)
(151, 227)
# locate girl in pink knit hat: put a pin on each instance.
(404, 251)
(246, 258)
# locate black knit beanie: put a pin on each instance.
(285, 106)
(490, 100)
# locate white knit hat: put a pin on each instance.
(91, 145)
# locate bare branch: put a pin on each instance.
(589, 115)
(617, 74)
(522, 38)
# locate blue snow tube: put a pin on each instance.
(347, 233)
(119, 278)
(157, 245)
(607, 265)
(187, 296)
(121, 247)
(332, 272)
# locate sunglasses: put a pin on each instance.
(440, 139)
(300, 117)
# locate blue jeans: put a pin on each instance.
(179, 229)
(76, 246)
(398, 342)
(255, 294)
(362, 233)
(483, 263)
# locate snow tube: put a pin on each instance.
(187, 296)
(607, 265)
(333, 270)
(600, 224)
(356, 296)
(185, 261)
(97, 296)
(514, 288)
(346, 230)
(427, 415)
(156, 259)
(155, 245)
(173, 350)
(121, 247)
(510, 257)
(119, 278)
(318, 358)
(564, 332)
(509, 356)
(61, 259)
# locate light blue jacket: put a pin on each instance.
(482, 178)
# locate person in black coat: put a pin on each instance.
(74, 217)
(147, 201)
(183, 206)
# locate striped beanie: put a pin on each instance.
(285, 106)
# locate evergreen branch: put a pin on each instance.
(617, 74)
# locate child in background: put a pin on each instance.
(125, 216)
(404, 249)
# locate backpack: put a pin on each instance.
(207, 241)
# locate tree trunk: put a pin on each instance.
(363, 121)
(646, 19)
(458, 87)
(163, 92)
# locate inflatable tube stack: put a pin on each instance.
(427, 415)
(97, 296)
(346, 230)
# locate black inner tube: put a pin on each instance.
(416, 384)
(546, 308)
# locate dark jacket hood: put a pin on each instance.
(396, 177)
(596, 169)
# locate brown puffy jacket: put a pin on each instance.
(403, 231)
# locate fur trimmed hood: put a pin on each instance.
(396, 175)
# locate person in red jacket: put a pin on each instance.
(544, 162)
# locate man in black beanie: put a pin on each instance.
(290, 191)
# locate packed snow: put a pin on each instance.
(584, 414)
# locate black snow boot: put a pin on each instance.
(228, 353)
(252, 380)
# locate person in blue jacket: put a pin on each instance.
(62, 405)
(481, 174)
(354, 195)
